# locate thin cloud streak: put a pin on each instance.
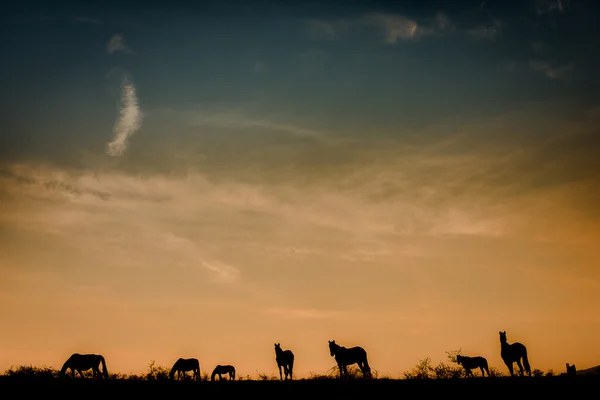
(130, 119)
(116, 43)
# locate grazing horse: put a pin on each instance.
(223, 369)
(470, 363)
(285, 359)
(345, 357)
(83, 362)
(514, 352)
(571, 370)
(183, 365)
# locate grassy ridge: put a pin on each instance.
(356, 388)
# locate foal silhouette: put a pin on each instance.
(223, 369)
(470, 363)
(285, 359)
(514, 352)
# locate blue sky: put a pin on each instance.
(346, 66)
(373, 172)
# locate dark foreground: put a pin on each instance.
(513, 388)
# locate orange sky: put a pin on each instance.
(425, 249)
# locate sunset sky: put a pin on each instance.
(204, 180)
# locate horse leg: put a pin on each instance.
(280, 376)
(343, 371)
(510, 368)
(520, 366)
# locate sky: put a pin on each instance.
(207, 179)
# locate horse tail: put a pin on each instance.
(485, 366)
(232, 373)
(526, 361)
(104, 370)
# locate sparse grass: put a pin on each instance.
(426, 379)
(424, 370)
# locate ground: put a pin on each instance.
(513, 388)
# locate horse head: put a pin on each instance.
(277, 347)
(332, 347)
(502, 336)
(459, 359)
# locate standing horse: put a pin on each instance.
(83, 362)
(470, 363)
(183, 365)
(514, 352)
(285, 359)
(223, 369)
(345, 357)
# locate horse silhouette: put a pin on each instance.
(571, 370)
(184, 365)
(352, 355)
(223, 369)
(285, 360)
(512, 353)
(83, 362)
(470, 363)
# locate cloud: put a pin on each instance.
(489, 31)
(321, 29)
(393, 204)
(130, 119)
(77, 19)
(244, 120)
(259, 67)
(549, 6)
(117, 44)
(88, 20)
(550, 71)
(395, 27)
(314, 313)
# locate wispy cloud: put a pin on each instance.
(321, 29)
(241, 120)
(259, 67)
(488, 31)
(130, 119)
(551, 71)
(395, 27)
(88, 20)
(116, 43)
(315, 313)
(548, 6)
(77, 19)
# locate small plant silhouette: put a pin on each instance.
(157, 373)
